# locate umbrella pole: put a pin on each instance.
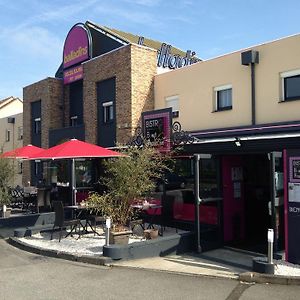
(73, 180)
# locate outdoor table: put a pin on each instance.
(80, 211)
(144, 207)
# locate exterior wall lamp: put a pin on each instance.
(238, 142)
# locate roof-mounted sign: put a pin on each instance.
(166, 59)
(77, 46)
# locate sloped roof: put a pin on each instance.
(8, 100)
(133, 38)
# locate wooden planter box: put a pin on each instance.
(119, 237)
(151, 234)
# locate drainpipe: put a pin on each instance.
(251, 57)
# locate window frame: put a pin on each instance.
(37, 128)
(216, 91)
(7, 135)
(20, 167)
(175, 112)
(108, 112)
(20, 133)
(283, 77)
(73, 120)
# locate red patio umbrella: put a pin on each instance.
(73, 149)
(22, 152)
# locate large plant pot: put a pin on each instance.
(151, 234)
(119, 237)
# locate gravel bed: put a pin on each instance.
(87, 244)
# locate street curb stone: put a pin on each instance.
(95, 260)
(253, 277)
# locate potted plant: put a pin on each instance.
(6, 177)
(127, 180)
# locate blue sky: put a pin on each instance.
(32, 32)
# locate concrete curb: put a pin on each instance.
(95, 260)
(253, 277)
(115, 265)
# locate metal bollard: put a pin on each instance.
(107, 225)
(270, 245)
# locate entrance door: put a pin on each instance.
(233, 194)
(248, 198)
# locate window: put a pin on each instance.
(223, 97)
(73, 121)
(37, 167)
(7, 135)
(173, 102)
(20, 133)
(37, 125)
(290, 85)
(108, 112)
(20, 167)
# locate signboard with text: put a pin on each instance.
(76, 51)
(73, 74)
(157, 127)
(292, 205)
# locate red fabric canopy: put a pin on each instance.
(23, 152)
(75, 149)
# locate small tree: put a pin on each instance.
(128, 179)
(6, 176)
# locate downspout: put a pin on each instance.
(253, 94)
(251, 57)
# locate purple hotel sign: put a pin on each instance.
(73, 74)
(76, 50)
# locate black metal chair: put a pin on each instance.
(94, 220)
(61, 223)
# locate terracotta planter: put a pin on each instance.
(151, 234)
(119, 237)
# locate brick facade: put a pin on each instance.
(133, 67)
(50, 92)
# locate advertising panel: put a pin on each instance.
(157, 127)
(73, 74)
(76, 47)
(292, 205)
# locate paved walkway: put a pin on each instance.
(226, 263)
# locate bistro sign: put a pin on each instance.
(157, 127)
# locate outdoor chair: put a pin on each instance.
(61, 223)
(94, 220)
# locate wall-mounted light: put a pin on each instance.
(237, 142)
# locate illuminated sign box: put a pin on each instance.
(73, 74)
(157, 127)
